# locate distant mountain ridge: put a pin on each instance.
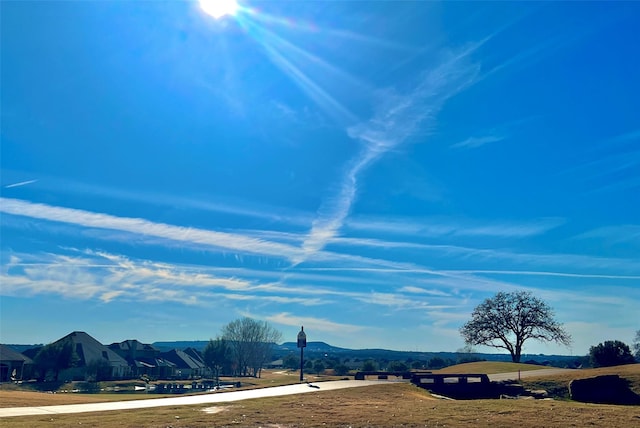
(316, 350)
(311, 347)
(321, 349)
(180, 344)
(287, 346)
(22, 348)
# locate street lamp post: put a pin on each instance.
(302, 343)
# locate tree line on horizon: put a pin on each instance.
(505, 321)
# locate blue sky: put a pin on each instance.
(370, 170)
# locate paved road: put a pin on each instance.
(218, 397)
(528, 373)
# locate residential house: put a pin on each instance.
(144, 359)
(14, 366)
(187, 366)
(133, 349)
(195, 355)
(92, 353)
(154, 368)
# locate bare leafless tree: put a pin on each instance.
(508, 320)
(251, 343)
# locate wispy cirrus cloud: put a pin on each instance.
(240, 208)
(397, 118)
(140, 226)
(610, 165)
(319, 324)
(97, 275)
(618, 234)
(419, 290)
(267, 243)
(624, 137)
(547, 273)
(22, 183)
(540, 48)
(107, 277)
(396, 301)
(438, 227)
(474, 142)
(493, 135)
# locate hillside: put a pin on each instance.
(180, 344)
(315, 350)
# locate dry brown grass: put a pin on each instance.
(489, 367)
(32, 398)
(13, 396)
(558, 384)
(276, 378)
(393, 405)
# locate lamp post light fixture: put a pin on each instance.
(302, 343)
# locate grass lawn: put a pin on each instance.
(26, 395)
(490, 367)
(558, 385)
(398, 404)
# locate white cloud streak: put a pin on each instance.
(139, 226)
(544, 273)
(438, 227)
(475, 142)
(109, 277)
(237, 208)
(319, 324)
(22, 183)
(244, 244)
(397, 118)
(419, 290)
(546, 260)
(625, 233)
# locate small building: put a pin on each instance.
(275, 364)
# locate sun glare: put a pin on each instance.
(219, 8)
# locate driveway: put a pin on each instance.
(217, 397)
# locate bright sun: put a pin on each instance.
(219, 8)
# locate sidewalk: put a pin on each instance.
(216, 397)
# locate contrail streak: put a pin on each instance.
(22, 183)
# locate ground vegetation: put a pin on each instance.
(610, 353)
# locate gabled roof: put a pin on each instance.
(182, 360)
(133, 344)
(153, 362)
(89, 349)
(32, 352)
(7, 353)
(195, 355)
